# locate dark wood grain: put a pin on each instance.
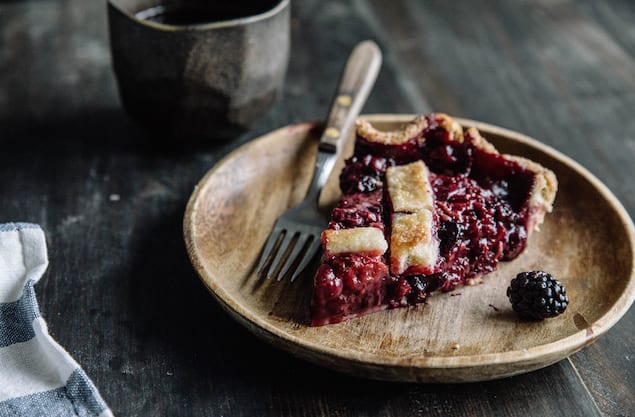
(554, 83)
(120, 293)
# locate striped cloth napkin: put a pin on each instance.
(37, 376)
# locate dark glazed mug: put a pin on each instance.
(199, 69)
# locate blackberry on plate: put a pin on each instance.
(537, 295)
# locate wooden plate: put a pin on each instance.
(468, 335)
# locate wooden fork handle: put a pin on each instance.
(355, 84)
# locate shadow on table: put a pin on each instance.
(101, 131)
(175, 310)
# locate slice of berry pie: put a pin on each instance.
(425, 208)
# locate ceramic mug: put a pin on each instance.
(199, 68)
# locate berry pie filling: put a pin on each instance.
(425, 208)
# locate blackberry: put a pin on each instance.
(537, 295)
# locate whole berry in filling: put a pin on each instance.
(363, 174)
(358, 210)
(476, 228)
(536, 295)
(422, 285)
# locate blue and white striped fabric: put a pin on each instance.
(37, 376)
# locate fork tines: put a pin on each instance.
(287, 251)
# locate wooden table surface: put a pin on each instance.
(120, 293)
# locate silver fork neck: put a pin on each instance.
(323, 166)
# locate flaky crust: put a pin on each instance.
(409, 131)
(543, 192)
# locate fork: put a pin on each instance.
(295, 238)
